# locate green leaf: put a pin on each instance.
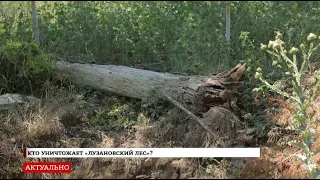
(305, 106)
(257, 89)
(315, 173)
(302, 146)
(307, 139)
(316, 151)
(14, 44)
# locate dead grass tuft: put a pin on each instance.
(57, 124)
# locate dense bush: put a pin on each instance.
(23, 67)
(182, 36)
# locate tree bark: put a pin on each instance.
(36, 33)
(228, 22)
(202, 92)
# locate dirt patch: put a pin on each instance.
(275, 162)
(277, 159)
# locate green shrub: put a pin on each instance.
(23, 67)
(185, 37)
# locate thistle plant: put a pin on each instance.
(304, 96)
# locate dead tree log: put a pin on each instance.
(202, 92)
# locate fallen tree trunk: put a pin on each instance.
(198, 91)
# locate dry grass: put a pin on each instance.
(47, 127)
(22, 127)
(56, 125)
